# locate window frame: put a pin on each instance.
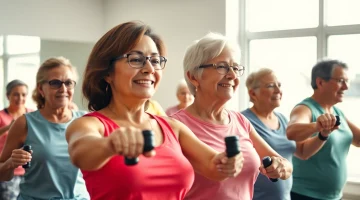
(5, 57)
(322, 32)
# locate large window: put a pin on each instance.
(343, 12)
(281, 14)
(19, 59)
(346, 48)
(290, 36)
(291, 59)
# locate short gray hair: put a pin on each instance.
(324, 69)
(14, 83)
(182, 83)
(206, 48)
(253, 80)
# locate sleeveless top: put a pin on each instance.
(323, 176)
(264, 189)
(237, 188)
(51, 175)
(5, 119)
(168, 175)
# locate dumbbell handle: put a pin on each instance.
(267, 162)
(232, 146)
(337, 123)
(148, 146)
(28, 149)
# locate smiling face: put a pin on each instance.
(140, 83)
(217, 86)
(339, 82)
(268, 93)
(17, 96)
(184, 96)
(58, 97)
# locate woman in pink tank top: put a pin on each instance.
(212, 70)
(123, 71)
(16, 92)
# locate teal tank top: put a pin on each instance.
(324, 175)
(51, 175)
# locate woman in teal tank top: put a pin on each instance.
(322, 145)
(51, 174)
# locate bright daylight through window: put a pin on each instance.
(279, 35)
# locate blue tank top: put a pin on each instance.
(264, 189)
(51, 175)
(324, 175)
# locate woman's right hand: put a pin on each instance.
(20, 157)
(128, 142)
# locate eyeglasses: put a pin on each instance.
(137, 61)
(56, 84)
(224, 68)
(341, 81)
(271, 86)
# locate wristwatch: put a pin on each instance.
(321, 137)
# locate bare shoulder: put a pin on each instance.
(175, 124)
(300, 113)
(19, 127)
(85, 125)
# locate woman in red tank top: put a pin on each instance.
(123, 71)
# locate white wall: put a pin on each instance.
(77, 53)
(178, 22)
(74, 20)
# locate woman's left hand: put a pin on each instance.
(279, 168)
(230, 167)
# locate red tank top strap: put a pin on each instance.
(109, 124)
(168, 132)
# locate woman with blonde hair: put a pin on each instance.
(51, 174)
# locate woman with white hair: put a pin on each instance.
(184, 97)
(265, 93)
(212, 71)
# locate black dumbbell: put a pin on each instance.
(28, 149)
(148, 146)
(232, 146)
(337, 123)
(267, 162)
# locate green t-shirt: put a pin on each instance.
(324, 175)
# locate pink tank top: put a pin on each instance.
(238, 188)
(5, 119)
(168, 175)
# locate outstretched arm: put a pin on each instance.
(205, 160)
(88, 149)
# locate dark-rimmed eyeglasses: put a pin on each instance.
(224, 68)
(56, 84)
(137, 61)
